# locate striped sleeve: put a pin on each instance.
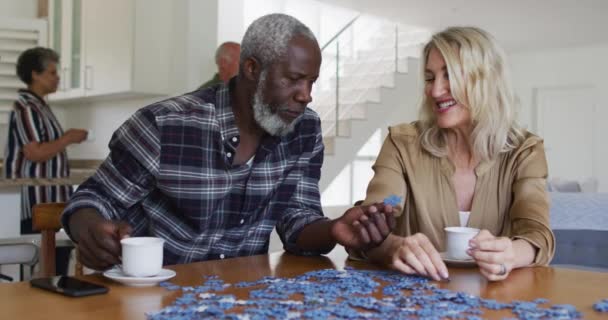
(127, 176)
(305, 205)
(27, 124)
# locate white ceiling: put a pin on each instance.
(519, 25)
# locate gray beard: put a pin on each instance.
(262, 113)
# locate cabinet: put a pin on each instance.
(65, 28)
(111, 47)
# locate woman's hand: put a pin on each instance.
(495, 256)
(75, 135)
(417, 255)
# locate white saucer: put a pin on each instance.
(457, 262)
(118, 276)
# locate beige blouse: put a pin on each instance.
(509, 200)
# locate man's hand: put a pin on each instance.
(364, 227)
(98, 239)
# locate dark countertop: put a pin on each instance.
(80, 170)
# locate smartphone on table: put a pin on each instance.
(68, 286)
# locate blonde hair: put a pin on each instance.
(476, 67)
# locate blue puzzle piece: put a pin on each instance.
(392, 200)
(601, 306)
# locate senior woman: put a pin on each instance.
(36, 146)
(464, 163)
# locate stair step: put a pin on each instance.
(367, 81)
(395, 105)
(387, 40)
(371, 67)
(353, 111)
(347, 97)
(343, 128)
(329, 143)
(389, 53)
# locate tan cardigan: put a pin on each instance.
(509, 200)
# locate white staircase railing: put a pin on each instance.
(362, 57)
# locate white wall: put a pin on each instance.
(199, 27)
(202, 41)
(564, 70)
(103, 118)
(324, 20)
(555, 68)
(231, 11)
(194, 38)
(22, 9)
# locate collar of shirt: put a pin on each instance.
(28, 94)
(225, 115)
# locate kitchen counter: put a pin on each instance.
(10, 193)
(80, 170)
(10, 199)
(75, 178)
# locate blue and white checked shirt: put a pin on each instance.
(170, 174)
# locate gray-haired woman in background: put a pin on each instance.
(36, 146)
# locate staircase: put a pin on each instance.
(369, 80)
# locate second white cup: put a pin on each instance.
(457, 241)
(142, 256)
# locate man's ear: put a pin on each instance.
(251, 69)
(35, 75)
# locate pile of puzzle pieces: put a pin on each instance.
(344, 294)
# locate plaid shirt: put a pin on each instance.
(170, 174)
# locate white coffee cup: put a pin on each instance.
(142, 256)
(457, 241)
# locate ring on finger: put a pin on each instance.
(503, 270)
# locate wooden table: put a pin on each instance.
(560, 286)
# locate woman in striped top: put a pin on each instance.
(36, 145)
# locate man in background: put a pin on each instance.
(227, 61)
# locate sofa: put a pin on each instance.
(580, 223)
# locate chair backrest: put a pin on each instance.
(46, 218)
(19, 253)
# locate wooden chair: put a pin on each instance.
(46, 218)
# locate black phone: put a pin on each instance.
(68, 286)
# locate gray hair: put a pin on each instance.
(34, 59)
(267, 37)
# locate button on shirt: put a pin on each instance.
(170, 174)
